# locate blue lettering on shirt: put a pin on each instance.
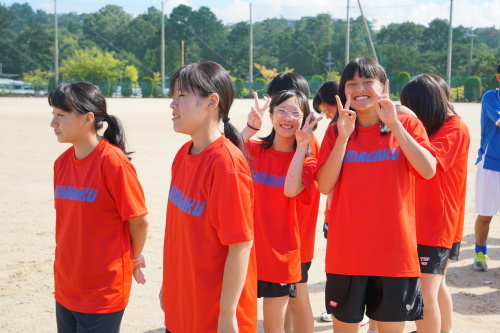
(386, 154)
(75, 193)
(269, 180)
(186, 204)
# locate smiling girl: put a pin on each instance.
(209, 278)
(101, 222)
(369, 158)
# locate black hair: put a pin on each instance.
(277, 99)
(498, 69)
(206, 78)
(365, 67)
(288, 81)
(84, 97)
(446, 89)
(326, 94)
(425, 96)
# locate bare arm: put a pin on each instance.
(138, 229)
(235, 272)
(293, 181)
(420, 158)
(329, 172)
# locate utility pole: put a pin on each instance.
(348, 28)
(182, 53)
(162, 51)
(250, 64)
(471, 35)
(450, 36)
(56, 47)
(372, 48)
(329, 61)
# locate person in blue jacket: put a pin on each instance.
(488, 173)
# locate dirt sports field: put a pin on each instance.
(28, 148)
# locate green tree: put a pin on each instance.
(92, 65)
(38, 78)
(473, 89)
(104, 26)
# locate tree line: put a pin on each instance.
(121, 48)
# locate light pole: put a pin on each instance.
(450, 37)
(56, 47)
(471, 35)
(348, 28)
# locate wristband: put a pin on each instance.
(254, 128)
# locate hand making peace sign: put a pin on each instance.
(256, 113)
(347, 118)
(305, 135)
(385, 108)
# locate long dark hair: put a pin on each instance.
(365, 67)
(280, 97)
(203, 79)
(84, 97)
(288, 81)
(424, 96)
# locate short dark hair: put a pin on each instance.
(498, 69)
(326, 94)
(288, 81)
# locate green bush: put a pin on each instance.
(472, 89)
(401, 80)
(147, 87)
(259, 86)
(126, 87)
(239, 86)
(315, 82)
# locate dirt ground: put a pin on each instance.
(28, 149)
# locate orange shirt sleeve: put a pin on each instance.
(123, 185)
(231, 207)
(451, 144)
(326, 145)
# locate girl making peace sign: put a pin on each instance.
(369, 158)
(283, 175)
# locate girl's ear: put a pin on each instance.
(213, 101)
(88, 119)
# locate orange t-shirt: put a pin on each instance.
(372, 215)
(277, 235)
(94, 199)
(440, 201)
(308, 216)
(209, 208)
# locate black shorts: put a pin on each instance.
(433, 259)
(304, 267)
(391, 299)
(71, 321)
(272, 289)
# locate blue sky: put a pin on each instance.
(469, 13)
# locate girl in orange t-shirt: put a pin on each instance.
(101, 223)
(440, 201)
(284, 174)
(369, 159)
(209, 275)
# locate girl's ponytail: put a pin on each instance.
(115, 133)
(232, 134)
(84, 97)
